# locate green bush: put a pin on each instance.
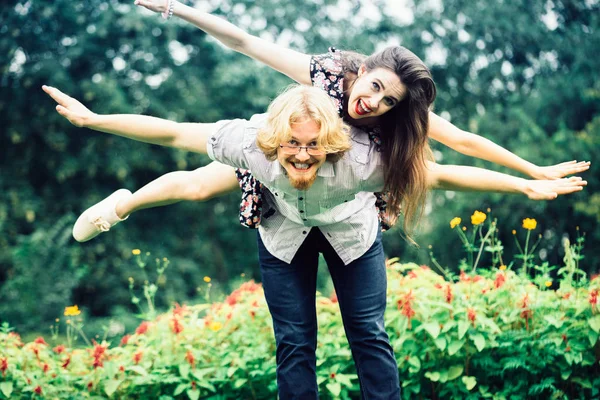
(490, 335)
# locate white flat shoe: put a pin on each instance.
(99, 218)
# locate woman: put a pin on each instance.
(355, 83)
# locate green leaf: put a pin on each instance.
(415, 364)
(584, 382)
(433, 376)
(479, 341)
(469, 382)
(593, 337)
(440, 343)
(565, 374)
(184, 370)
(463, 326)
(111, 386)
(138, 369)
(554, 321)
(334, 388)
(206, 385)
(433, 328)
(239, 383)
(193, 394)
(454, 372)
(595, 323)
(180, 388)
(455, 346)
(6, 388)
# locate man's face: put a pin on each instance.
(302, 168)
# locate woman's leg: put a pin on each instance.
(199, 185)
(361, 291)
(290, 291)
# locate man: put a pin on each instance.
(320, 178)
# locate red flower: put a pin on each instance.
(333, 297)
(437, 286)
(59, 349)
(46, 367)
(405, 306)
(179, 311)
(90, 386)
(249, 286)
(424, 267)
(464, 277)
(3, 365)
(99, 353)
(66, 363)
(233, 298)
(137, 357)
(500, 279)
(190, 358)
(332, 375)
(527, 314)
(177, 327)
(477, 278)
(193, 385)
(142, 328)
(471, 315)
(566, 296)
(40, 340)
(593, 299)
(38, 389)
(125, 340)
(412, 275)
(252, 314)
(122, 368)
(448, 293)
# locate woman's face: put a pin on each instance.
(374, 93)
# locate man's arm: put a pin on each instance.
(461, 178)
(186, 136)
(292, 63)
(480, 147)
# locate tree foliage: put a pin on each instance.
(519, 73)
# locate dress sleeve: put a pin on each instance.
(326, 73)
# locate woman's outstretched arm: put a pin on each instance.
(455, 177)
(292, 63)
(480, 147)
(185, 136)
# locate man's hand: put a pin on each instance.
(70, 108)
(560, 170)
(153, 5)
(551, 189)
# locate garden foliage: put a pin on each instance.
(493, 335)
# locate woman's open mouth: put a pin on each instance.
(361, 109)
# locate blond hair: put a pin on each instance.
(296, 104)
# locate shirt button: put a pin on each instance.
(304, 232)
(304, 219)
(301, 211)
(300, 198)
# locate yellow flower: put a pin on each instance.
(478, 218)
(72, 311)
(215, 326)
(136, 252)
(454, 222)
(529, 224)
(207, 279)
(502, 267)
(489, 210)
(514, 232)
(548, 283)
(464, 228)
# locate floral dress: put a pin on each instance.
(325, 73)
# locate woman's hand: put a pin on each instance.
(551, 189)
(70, 108)
(560, 170)
(153, 5)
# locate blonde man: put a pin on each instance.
(320, 178)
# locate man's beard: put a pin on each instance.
(302, 183)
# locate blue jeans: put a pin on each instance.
(290, 290)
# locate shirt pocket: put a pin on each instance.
(328, 204)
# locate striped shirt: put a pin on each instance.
(340, 201)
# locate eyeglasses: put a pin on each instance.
(293, 150)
